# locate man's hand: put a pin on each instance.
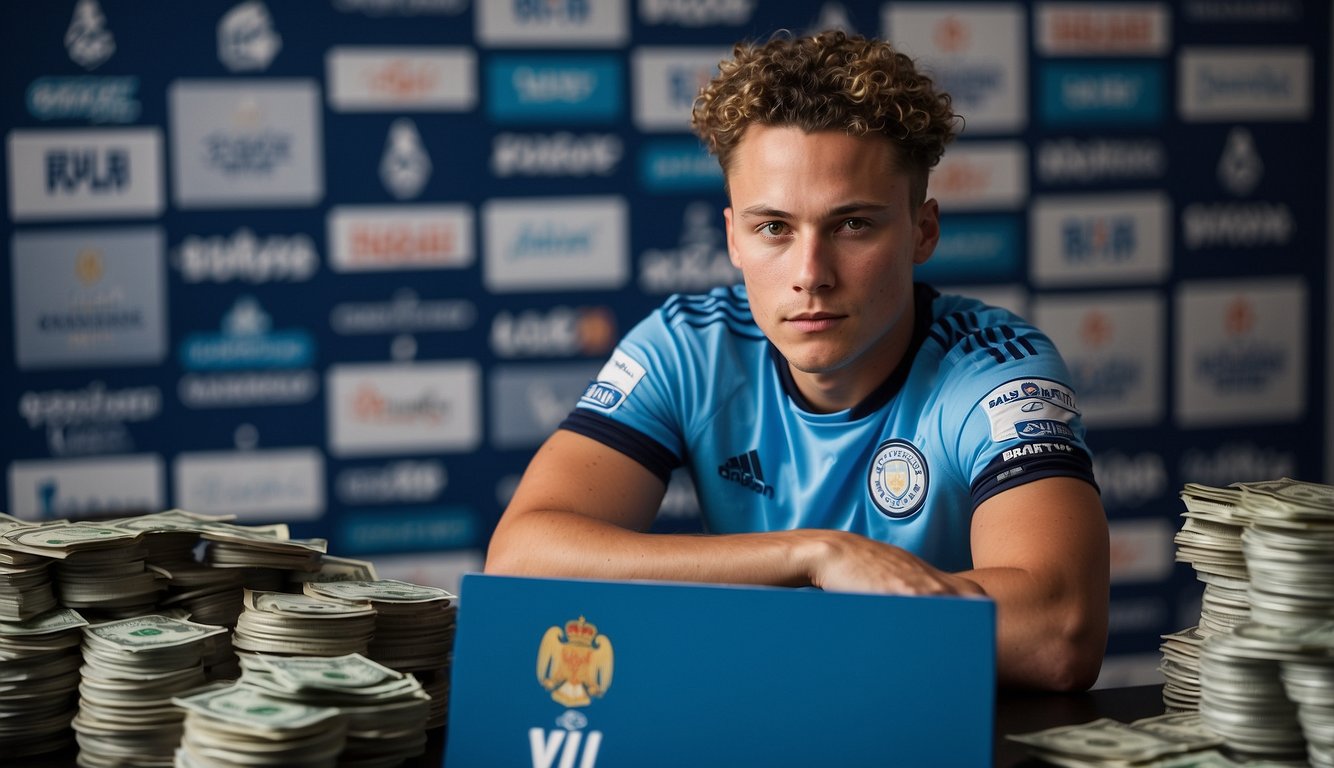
(839, 561)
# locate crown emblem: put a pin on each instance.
(575, 663)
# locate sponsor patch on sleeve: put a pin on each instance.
(617, 379)
(1030, 409)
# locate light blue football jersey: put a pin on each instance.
(979, 404)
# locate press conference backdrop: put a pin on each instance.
(344, 264)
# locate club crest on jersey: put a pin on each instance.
(897, 479)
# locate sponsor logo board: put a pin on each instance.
(1222, 84)
(401, 79)
(569, 89)
(85, 173)
(528, 402)
(89, 298)
(245, 143)
(377, 409)
(1100, 239)
(553, 23)
(400, 237)
(666, 82)
(554, 244)
(1102, 29)
(84, 488)
(976, 176)
(259, 485)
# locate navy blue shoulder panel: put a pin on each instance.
(655, 457)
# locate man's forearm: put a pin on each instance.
(571, 545)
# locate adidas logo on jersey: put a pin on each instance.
(744, 470)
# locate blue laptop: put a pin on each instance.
(555, 673)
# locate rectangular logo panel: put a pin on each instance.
(263, 485)
(421, 407)
(537, 89)
(1244, 84)
(77, 489)
(397, 79)
(398, 237)
(555, 244)
(70, 174)
(89, 298)
(246, 143)
(666, 82)
(1101, 239)
(553, 23)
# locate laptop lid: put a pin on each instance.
(555, 673)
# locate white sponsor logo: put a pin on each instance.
(558, 332)
(1241, 351)
(696, 13)
(666, 82)
(405, 313)
(553, 23)
(93, 403)
(395, 482)
(1237, 462)
(1023, 400)
(698, 263)
(247, 41)
(407, 408)
(615, 382)
(1100, 239)
(246, 258)
(379, 238)
(1113, 346)
(62, 174)
(87, 39)
(1141, 550)
(555, 243)
(1238, 224)
(1244, 84)
(981, 176)
(247, 389)
(405, 167)
(528, 402)
(1102, 29)
(285, 484)
(1127, 481)
(402, 78)
(557, 154)
(83, 488)
(1085, 161)
(976, 52)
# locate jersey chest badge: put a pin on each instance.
(897, 479)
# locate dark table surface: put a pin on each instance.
(1016, 712)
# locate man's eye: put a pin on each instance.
(855, 225)
(773, 228)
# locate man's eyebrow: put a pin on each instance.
(853, 206)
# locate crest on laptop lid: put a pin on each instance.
(575, 663)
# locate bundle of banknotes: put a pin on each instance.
(139, 641)
(1253, 682)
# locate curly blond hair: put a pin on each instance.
(829, 81)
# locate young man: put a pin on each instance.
(844, 427)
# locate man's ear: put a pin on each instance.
(731, 249)
(927, 227)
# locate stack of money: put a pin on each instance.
(1210, 540)
(1181, 670)
(239, 725)
(268, 550)
(132, 670)
(39, 674)
(335, 569)
(1289, 548)
(1153, 741)
(300, 625)
(1310, 684)
(414, 630)
(25, 580)
(386, 710)
(99, 569)
(1242, 698)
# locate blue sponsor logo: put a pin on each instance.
(1028, 430)
(974, 248)
(369, 531)
(548, 11)
(247, 342)
(679, 166)
(602, 395)
(97, 99)
(582, 89)
(1101, 93)
(1099, 239)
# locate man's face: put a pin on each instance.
(824, 233)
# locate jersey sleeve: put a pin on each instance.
(1015, 415)
(632, 405)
